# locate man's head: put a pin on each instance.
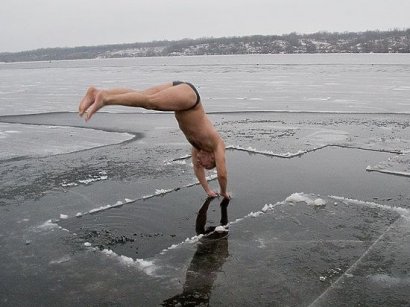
(206, 159)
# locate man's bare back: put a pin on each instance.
(208, 148)
(197, 128)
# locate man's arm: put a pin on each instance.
(221, 169)
(200, 174)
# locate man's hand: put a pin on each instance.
(225, 195)
(212, 194)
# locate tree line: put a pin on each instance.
(393, 41)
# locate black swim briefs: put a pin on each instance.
(198, 98)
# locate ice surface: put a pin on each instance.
(264, 177)
(403, 211)
(329, 86)
(160, 266)
(398, 165)
(290, 239)
(359, 236)
(34, 140)
(328, 136)
(389, 281)
(308, 199)
(268, 152)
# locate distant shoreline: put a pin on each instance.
(393, 41)
(323, 56)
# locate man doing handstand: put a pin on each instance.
(208, 148)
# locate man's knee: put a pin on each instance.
(152, 102)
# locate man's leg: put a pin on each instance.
(155, 89)
(92, 93)
(171, 98)
(164, 97)
(148, 91)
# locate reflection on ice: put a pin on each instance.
(211, 253)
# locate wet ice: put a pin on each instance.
(288, 222)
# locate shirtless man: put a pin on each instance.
(208, 148)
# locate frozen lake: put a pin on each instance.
(319, 82)
(108, 212)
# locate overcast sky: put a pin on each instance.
(32, 24)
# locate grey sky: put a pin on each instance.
(31, 24)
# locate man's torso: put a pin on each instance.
(197, 128)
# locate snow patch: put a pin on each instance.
(148, 267)
(63, 259)
(47, 225)
(268, 152)
(301, 197)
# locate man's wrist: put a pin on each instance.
(209, 191)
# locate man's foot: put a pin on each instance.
(92, 102)
(88, 100)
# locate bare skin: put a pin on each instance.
(208, 148)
